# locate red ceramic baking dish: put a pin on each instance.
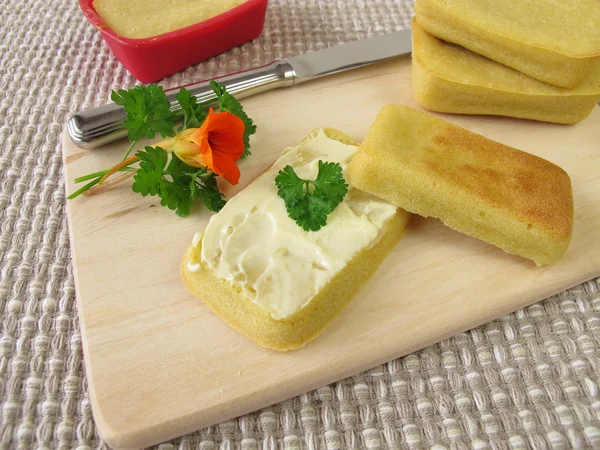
(151, 59)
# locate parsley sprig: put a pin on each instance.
(176, 183)
(309, 202)
(193, 113)
(148, 112)
(161, 173)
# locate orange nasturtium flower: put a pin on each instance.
(216, 145)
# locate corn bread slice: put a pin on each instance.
(138, 20)
(511, 199)
(276, 317)
(554, 41)
(452, 79)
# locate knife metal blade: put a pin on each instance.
(98, 126)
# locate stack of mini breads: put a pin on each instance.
(532, 59)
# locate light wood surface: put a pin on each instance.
(159, 364)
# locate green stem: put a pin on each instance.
(84, 188)
(129, 150)
(101, 174)
(90, 176)
(95, 177)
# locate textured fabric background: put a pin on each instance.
(528, 380)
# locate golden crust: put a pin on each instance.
(555, 43)
(509, 198)
(448, 78)
(305, 325)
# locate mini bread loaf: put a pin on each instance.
(555, 41)
(452, 79)
(137, 20)
(267, 277)
(511, 199)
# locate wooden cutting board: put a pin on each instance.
(159, 364)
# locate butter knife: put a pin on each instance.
(98, 126)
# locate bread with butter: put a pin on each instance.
(234, 286)
(448, 78)
(554, 41)
(506, 197)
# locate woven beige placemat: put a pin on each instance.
(528, 380)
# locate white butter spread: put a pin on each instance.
(254, 245)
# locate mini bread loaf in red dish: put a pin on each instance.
(151, 58)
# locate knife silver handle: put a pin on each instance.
(98, 126)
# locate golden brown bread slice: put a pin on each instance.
(512, 199)
(555, 41)
(452, 79)
(304, 325)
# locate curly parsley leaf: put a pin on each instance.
(193, 113)
(176, 183)
(309, 202)
(148, 112)
(229, 103)
(204, 186)
(148, 177)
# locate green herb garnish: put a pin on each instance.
(148, 112)
(309, 202)
(175, 169)
(176, 183)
